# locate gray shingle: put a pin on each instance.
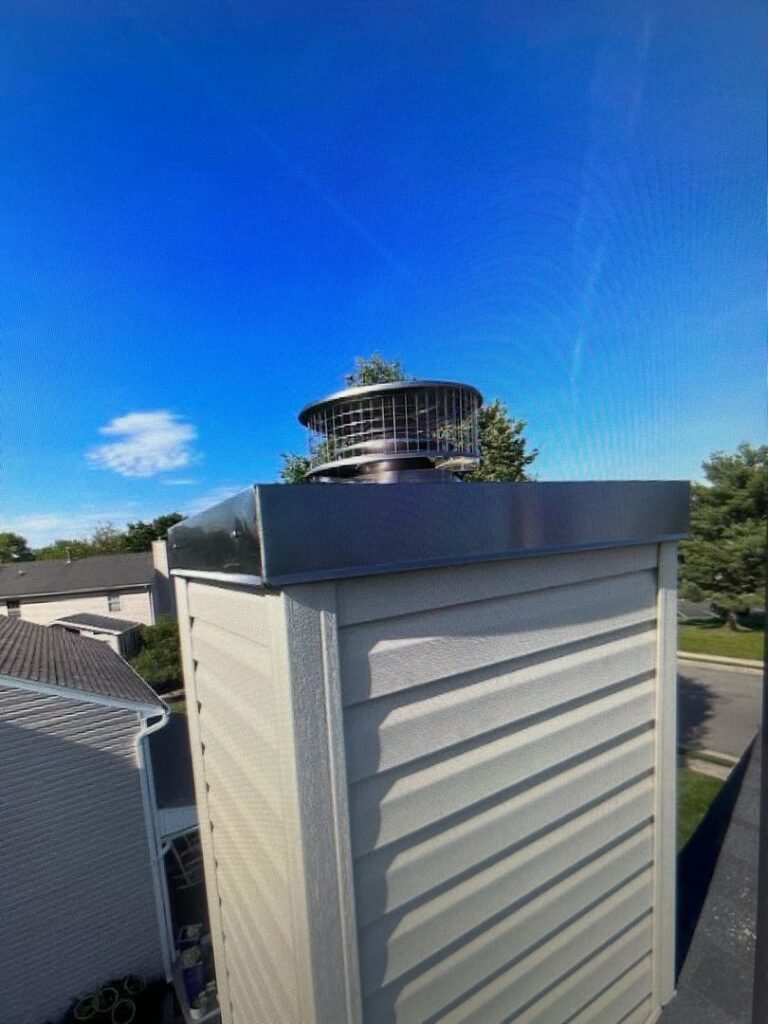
(101, 572)
(97, 622)
(55, 657)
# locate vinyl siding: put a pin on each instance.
(135, 605)
(432, 796)
(500, 748)
(242, 754)
(76, 890)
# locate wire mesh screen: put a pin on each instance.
(430, 421)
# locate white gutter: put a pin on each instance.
(162, 902)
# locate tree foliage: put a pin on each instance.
(374, 370)
(503, 451)
(139, 536)
(13, 548)
(107, 540)
(295, 469)
(724, 560)
(159, 660)
(503, 447)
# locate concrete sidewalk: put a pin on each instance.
(746, 664)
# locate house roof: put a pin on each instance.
(98, 623)
(55, 658)
(100, 572)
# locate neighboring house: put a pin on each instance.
(122, 635)
(136, 587)
(82, 893)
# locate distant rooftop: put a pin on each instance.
(100, 572)
(37, 654)
(98, 623)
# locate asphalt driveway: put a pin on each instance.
(719, 707)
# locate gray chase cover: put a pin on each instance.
(286, 534)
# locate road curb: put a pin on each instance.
(716, 659)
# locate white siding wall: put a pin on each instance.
(242, 743)
(500, 752)
(433, 795)
(77, 902)
(135, 605)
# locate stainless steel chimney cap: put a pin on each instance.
(386, 432)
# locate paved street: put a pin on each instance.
(719, 708)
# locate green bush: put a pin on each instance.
(159, 660)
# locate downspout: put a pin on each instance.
(162, 904)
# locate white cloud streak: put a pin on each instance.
(149, 443)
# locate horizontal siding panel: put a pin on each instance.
(135, 605)
(629, 997)
(394, 876)
(392, 731)
(387, 807)
(231, 656)
(411, 650)
(643, 1014)
(75, 853)
(241, 718)
(240, 612)
(380, 597)
(398, 942)
(511, 993)
(512, 962)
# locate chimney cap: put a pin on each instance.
(401, 430)
(368, 390)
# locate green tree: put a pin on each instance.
(724, 560)
(503, 448)
(374, 370)
(159, 660)
(13, 548)
(504, 452)
(107, 540)
(139, 536)
(295, 469)
(63, 549)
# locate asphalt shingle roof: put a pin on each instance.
(55, 657)
(105, 622)
(101, 572)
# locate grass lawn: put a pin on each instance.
(710, 636)
(695, 793)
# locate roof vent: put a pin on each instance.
(385, 433)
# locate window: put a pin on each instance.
(12, 607)
(113, 602)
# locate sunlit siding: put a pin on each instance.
(77, 902)
(135, 605)
(500, 750)
(241, 736)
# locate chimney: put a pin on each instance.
(163, 596)
(433, 730)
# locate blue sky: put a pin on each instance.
(208, 210)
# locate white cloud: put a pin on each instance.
(178, 482)
(150, 443)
